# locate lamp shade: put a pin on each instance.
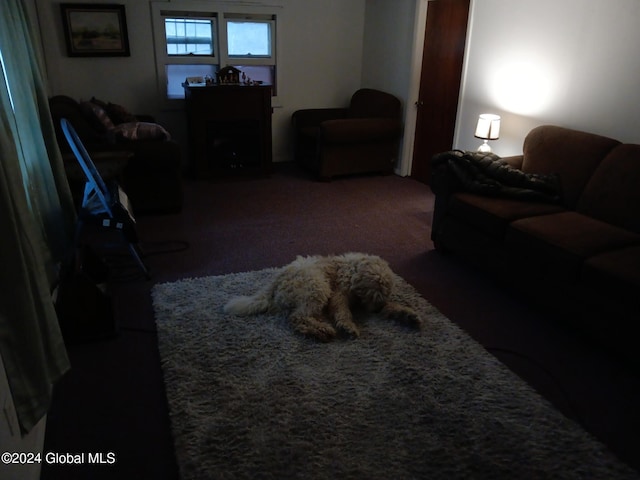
(488, 127)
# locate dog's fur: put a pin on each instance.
(319, 293)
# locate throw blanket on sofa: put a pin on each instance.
(488, 174)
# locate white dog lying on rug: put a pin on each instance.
(319, 294)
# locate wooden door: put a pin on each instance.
(442, 60)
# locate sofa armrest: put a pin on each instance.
(514, 161)
(146, 153)
(313, 117)
(358, 130)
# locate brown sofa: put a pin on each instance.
(580, 255)
(361, 138)
(152, 176)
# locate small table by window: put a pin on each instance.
(229, 129)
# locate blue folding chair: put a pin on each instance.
(106, 206)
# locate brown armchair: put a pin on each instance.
(152, 171)
(361, 138)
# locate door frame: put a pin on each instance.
(411, 112)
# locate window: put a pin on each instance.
(249, 39)
(186, 46)
(195, 42)
(250, 46)
(188, 36)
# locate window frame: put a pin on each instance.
(195, 16)
(159, 12)
(249, 59)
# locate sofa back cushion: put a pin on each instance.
(62, 106)
(370, 103)
(613, 192)
(572, 154)
(97, 116)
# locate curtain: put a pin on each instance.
(36, 217)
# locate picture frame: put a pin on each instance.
(95, 29)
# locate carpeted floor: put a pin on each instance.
(249, 398)
(113, 399)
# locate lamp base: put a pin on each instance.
(484, 148)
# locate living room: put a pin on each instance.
(553, 57)
(574, 64)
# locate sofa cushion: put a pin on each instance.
(492, 215)
(572, 154)
(100, 103)
(97, 116)
(119, 114)
(613, 192)
(356, 130)
(141, 131)
(616, 276)
(557, 245)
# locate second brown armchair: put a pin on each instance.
(361, 138)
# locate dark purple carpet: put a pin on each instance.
(113, 398)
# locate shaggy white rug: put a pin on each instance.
(249, 399)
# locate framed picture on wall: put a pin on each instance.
(95, 29)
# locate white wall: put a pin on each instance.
(388, 43)
(387, 57)
(320, 62)
(572, 62)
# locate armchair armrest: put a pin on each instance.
(357, 130)
(313, 117)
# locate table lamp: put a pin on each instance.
(488, 128)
